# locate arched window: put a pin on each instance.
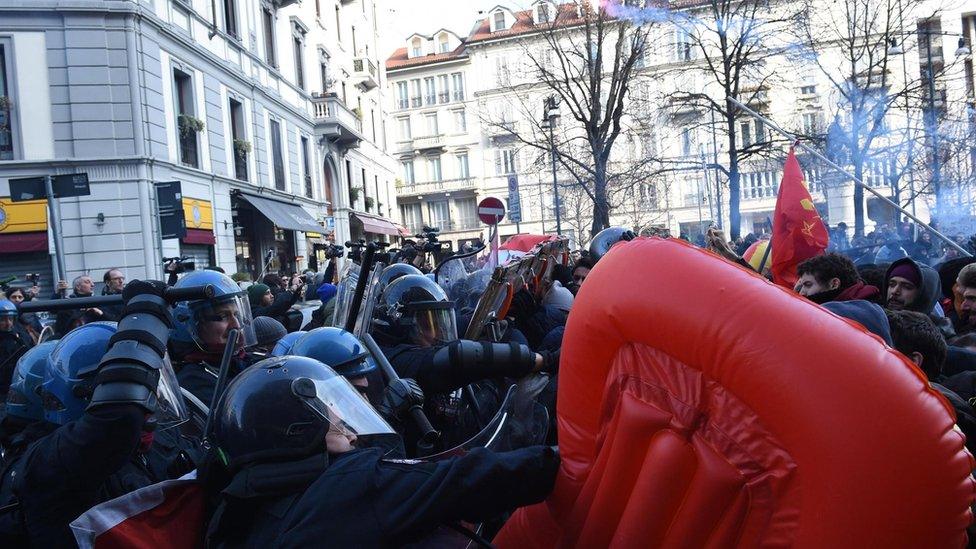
(443, 43)
(498, 20)
(416, 47)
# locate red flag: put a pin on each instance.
(167, 515)
(798, 231)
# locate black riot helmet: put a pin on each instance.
(415, 309)
(605, 239)
(282, 408)
(393, 272)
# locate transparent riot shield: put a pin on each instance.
(346, 289)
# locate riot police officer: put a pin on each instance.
(289, 429)
(14, 341)
(106, 404)
(201, 331)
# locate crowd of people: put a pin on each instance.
(312, 439)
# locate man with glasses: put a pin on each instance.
(114, 281)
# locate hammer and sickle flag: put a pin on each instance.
(798, 231)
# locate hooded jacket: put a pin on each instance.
(928, 292)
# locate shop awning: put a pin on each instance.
(283, 214)
(199, 236)
(376, 225)
(23, 242)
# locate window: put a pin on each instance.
(745, 134)
(501, 71)
(415, 98)
(809, 85)
(324, 73)
(354, 46)
(460, 122)
(462, 161)
(439, 213)
(467, 211)
(240, 143)
(684, 46)
(434, 168)
(186, 122)
(416, 47)
(444, 43)
(306, 167)
(402, 98)
(277, 156)
(430, 120)
(6, 125)
(408, 174)
(430, 95)
(412, 216)
(230, 17)
(649, 139)
(299, 62)
(504, 161)
(269, 37)
(811, 123)
(318, 9)
(498, 21)
(364, 187)
(404, 126)
(687, 141)
(445, 89)
(338, 26)
(458, 81)
(542, 13)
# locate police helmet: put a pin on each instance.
(393, 272)
(414, 308)
(71, 369)
(202, 324)
(284, 345)
(337, 348)
(7, 308)
(605, 239)
(24, 397)
(283, 407)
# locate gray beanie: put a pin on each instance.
(558, 297)
(268, 331)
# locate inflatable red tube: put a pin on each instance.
(702, 406)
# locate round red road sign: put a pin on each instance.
(491, 211)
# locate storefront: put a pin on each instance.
(24, 242)
(368, 226)
(266, 231)
(198, 244)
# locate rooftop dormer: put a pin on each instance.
(445, 41)
(543, 12)
(417, 46)
(501, 18)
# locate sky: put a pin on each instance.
(398, 19)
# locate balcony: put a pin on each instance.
(364, 73)
(336, 122)
(444, 185)
(429, 142)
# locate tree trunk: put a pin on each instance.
(601, 207)
(858, 199)
(735, 196)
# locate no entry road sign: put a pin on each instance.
(491, 211)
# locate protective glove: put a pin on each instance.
(628, 236)
(550, 361)
(523, 305)
(399, 397)
(141, 287)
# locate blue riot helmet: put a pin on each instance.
(7, 310)
(24, 396)
(202, 325)
(70, 374)
(414, 309)
(393, 272)
(283, 408)
(339, 349)
(284, 345)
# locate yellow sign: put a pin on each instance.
(198, 213)
(23, 217)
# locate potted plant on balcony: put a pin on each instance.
(369, 203)
(189, 123)
(242, 147)
(353, 194)
(358, 112)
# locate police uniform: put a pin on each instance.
(359, 499)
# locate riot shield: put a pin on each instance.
(344, 294)
(365, 316)
(198, 411)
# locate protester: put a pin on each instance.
(72, 318)
(265, 303)
(832, 277)
(580, 272)
(114, 281)
(267, 332)
(911, 287)
(965, 286)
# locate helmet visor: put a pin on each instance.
(170, 407)
(215, 319)
(345, 409)
(434, 326)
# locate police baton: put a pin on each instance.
(171, 295)
(357, 298)
(229, 351)
(428, 435)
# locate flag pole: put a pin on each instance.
(850, 176)
(769, 246)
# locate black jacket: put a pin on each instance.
(72, 318)
(362, 500)
(13, 344)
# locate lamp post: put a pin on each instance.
(551, 118)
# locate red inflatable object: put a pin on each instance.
(701, 406)
(524, 242)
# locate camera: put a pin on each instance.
(35, 278)
(183, 264)
(334, 251)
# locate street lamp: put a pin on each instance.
(551, 118)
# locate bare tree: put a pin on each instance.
(586, 58)
(727, 48)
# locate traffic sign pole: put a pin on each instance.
(55, 215)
